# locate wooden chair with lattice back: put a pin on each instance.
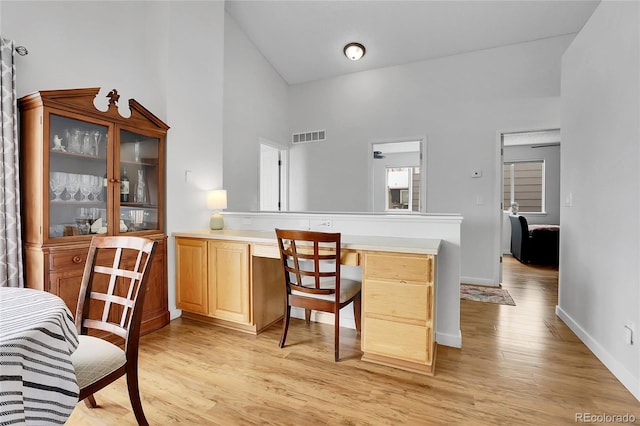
(110, 303)
(311, 267)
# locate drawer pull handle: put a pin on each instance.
(77, 259)
(403, 282)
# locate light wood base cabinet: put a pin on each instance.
(215, 284)
(228, 281)
(398, 310)
(191, 275)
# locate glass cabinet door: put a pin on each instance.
(77, 177)
(139, 182)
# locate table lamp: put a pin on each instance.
(216, 201)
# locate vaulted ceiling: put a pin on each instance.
(303, 40)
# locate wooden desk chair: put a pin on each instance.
(112, 293)
(311, 266)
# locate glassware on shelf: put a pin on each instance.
(97, 138)
(79, 189)
(58, 183)
(89, 220)
(73, 185)
(88, 146)
(86, 186)
(136, 152)
(84, 225)
(136, 218)
(96, 187)
(140, 193)
(151, 218)
(56, 230)
(74, 138)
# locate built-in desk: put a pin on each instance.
(233, 278)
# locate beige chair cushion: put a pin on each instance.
(94, 359)
(348, 289)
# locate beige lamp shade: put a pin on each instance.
(216, 201)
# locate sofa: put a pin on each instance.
(534, 244)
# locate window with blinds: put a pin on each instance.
(524, 184)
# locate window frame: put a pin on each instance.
(507, 207)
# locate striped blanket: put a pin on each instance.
(37, 336)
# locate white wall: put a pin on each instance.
(166, 55)
(255, 106)
(460, 103)
(600, 238)
(75, 44)
(195, 46)
(551, 157)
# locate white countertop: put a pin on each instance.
(352, 242)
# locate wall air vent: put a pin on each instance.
(306, 137)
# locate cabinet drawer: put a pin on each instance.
(402, 300)
(68, 259)
(399, 266)
(408, 342)
(350, 257)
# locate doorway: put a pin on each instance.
(273, 177)
(529, 171)
(398, 176)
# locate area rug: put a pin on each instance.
(478, 293)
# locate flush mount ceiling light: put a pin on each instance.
(354, 51)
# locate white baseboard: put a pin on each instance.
(479, 281)
(625, 377)
(175, 313)
(447, 339)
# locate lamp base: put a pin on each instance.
(217, 222)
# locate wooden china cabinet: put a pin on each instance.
(77, 165)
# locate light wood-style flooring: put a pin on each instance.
(518, 365)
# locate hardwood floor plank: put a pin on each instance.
(518, 365)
